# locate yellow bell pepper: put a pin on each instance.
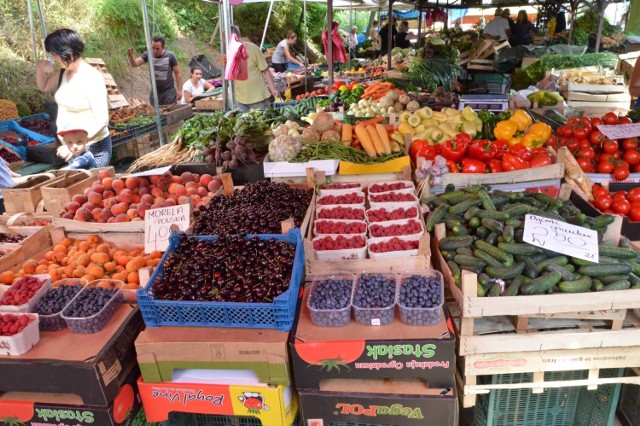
(505, 129)
(542, 130)
(532, 140)
(515, 140)
(521, 119)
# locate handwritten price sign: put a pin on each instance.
(561, 237)
(160, 223)
(620, 131)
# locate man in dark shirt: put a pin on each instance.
(165, 66)
(384, 40)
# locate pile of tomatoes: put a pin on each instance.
(313, 93)
(596, 153)
(624, 203)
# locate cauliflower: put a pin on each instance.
(284, 148)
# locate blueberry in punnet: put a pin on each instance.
(374, 299)
(418, 298)
(328, 302)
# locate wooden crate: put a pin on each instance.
(114, 97)
(480, 64)
(59, 192)
(38, 239)
(27, 196)
(177, 112)
(213, 103)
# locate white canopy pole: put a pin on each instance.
(226, 10)
(223, 50)
(152, 73)
(33, 32)
(304, 13)
(330, 42)
(42, 25)
(266, 24)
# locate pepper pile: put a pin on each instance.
(519, 128)
(349, 93)
(596, 153)
(482, 156)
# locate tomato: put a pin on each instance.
(585, 164)
(634, 214)
(598, 190)
(580, 133)
(572, 122)
(603, 202)
(587, 152)
(586, 120)
(584, 143)
(621, 206)
(629, 143)
(552, 142)
(123, 403)
(605, 167)
(625, 120)
(604, 157)
(632, 157)
(572, 144)
(620, 194)
(634, 194)
(610, 118)
(610, 146)
(564, 131)
(596, 121)
(621, 173)
(596, 137)
(330, 356)
(616, 155)
(636, 168)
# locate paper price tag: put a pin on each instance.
(160, 223)
(375, 321)
(620, 131)
(561, 237)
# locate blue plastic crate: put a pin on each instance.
(6, 126)
(41, 115)
(279, 314)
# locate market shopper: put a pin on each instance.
(506, 14)
(252, 93)
(498, 28)
(76, 152)
(6, 181)
(404, 37)
(374, 36)
(384, 34)
(337, 43)
(80, 93)
(165, 65)
(634, 84)
(523, 30)
(352, 42)
(195, 86)
(282, 59)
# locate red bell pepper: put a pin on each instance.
(463, 138)
(453, 150)
(510, 162)
(502, 147)
(483, 150)
(495, 166)
(540, 160)
(422, 148)
(521, 151)
(452, 166)
(539, 150)
(472, 165)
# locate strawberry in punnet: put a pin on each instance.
(392, 197)
(385, 187)
(21, 291)
(341, 213)
(382, 215)
(332, 227)
(352, 198)
(410, 228)
(339, 243)
(13, 324)
(394, 244)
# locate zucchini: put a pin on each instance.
(581, 285)
(497, 253)
(558, 260)
(492, 224)
(542, 283)
(508, 233)
(604, 270)
(519, 249)
(464, 250)
(617, 252)
(495, 291)
(469, 261)
(491, 261)
(514, 287)
(565, 273)
(453, 243)
(435, 216)
(462, 207)
(618, 285)
(492, 214)
(487, 204)
(505, 273)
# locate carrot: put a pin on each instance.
(347, 134)
(371, 121)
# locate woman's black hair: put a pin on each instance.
(65, 43)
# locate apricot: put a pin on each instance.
(100, 258)
(72, 207)
(96, 271)
(49, 255)
(84, 260)
(88, 278)
(59, 248)
(131, 182)
(93, 239)
(79, 198)
(67, 242)
(103, 248)
(123, 260)
(135, 264)
(109, 267)
(84, 246)
(120, 276)
(133, 277)
(6, 277)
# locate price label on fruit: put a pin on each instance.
(561, 237)
(160, 223)
(620, 131)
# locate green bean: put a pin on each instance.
(337, 151)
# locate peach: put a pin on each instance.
(109, 202)
(137, 219)
(205, 179)
(132, 213)
(144, 190)
(122, 217)
(157, 205)
(186, 177)
(158, 200)
(135, 198)
(191, 185)
(154, 179)
(157, 192)
(170, 202)
(102, 174)
(111, 220)
(106, 214)
(214, 185)
(126, 196)
(89, 206)
(202, 191)
(118, 185)
(176, 179)
(108, 194)
(80, 199)
(94, 197)
(96, 213)
(191, 192)
(68, 216)
(86, 191)
(147, 198)
(107, 182)
(83, 214)
(119, 208)
(97, 187)
(163, 183)
(131, 182)
(183, 199)
(143, 207)
(71, 207)
(143, 182)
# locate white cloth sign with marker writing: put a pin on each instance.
(620, 131)
(561, 237)
(161, 222)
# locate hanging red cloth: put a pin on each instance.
(337, 48)
(237, 65)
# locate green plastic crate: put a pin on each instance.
(192, 419)
(630, 402)
(496, 84)
(553, 407)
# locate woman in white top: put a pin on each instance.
(352, 42)
(195, 86)
(282, 59)
(80, 93)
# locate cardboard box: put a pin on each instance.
(91, 366)
(164, 349)
(400, 403)
(63, 409)
(272, 405)
(356, 351)
(392, 166)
